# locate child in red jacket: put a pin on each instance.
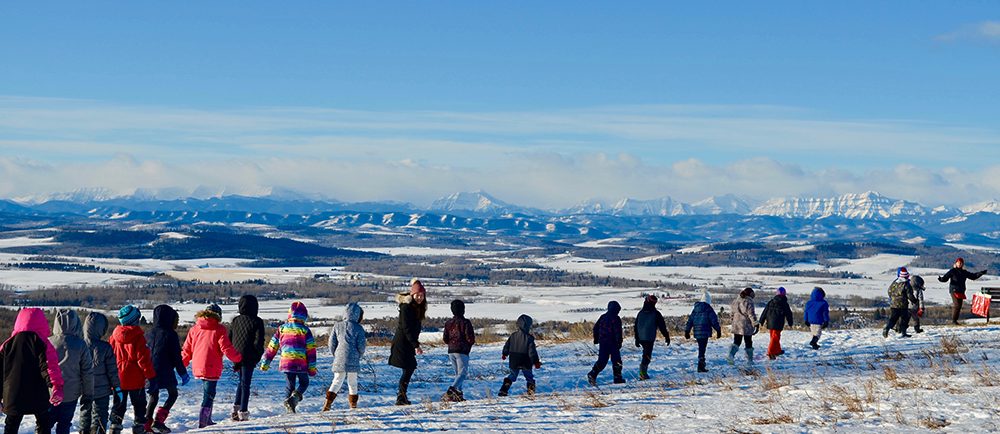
(206, 343)
(135, 366)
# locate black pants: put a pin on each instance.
(901, 315)
(138, 398)
(154, 398)
(702, 346)
(605, 352)
(13, 422)
(404, 381)
(647, 355)
(738, 339)
(956, 308)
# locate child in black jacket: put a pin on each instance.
(165, 350)
(520, 347)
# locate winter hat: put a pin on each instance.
(458, 307)
(214, 308)
(129, 315)
(298, 312)
(780, 291)
(706, 297)
(416, 287)
(651, 299)
(902, 273)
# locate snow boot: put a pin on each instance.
(885, 332)
(235, 415)
(115, 428)
(146, 427)
(904, 335)
(205, 417)
(244, 416)
(749, 352)
(330, 396)
(140, 429)
(352, 400)
(452, 395)
(158, 421)
(293, 401)
(505, 388)
(643, 375)
(592, 379)
(918, 329)
(701, 365)
(459, 395)
(531, 388)
(401, 399)
(617, 371)
(814, 343)
(732, 354)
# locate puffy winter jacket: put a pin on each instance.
(917, 283)
(75, 359)
(206, 342)
(702, 321)
(105, 366)
(293, 343)
(406, 340)
(817, 309)
(347, 341)
(247, 331)
(647, 322)
(900, 294)
(520, 347)
(135, 365)
(956, 278)
(165, 346)
(29, 366)
(776, 313)
(744, 315)
(608, 328)
(458, 331)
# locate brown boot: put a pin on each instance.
(353, 400)
(330, 396)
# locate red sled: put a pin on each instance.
(981, 305)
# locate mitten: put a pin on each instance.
(265, 366)
(538, 365)
(57, 396)
(637, 343)
(503, 357)
(687, 335)
(119, 395)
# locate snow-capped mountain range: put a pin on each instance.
(863, 206)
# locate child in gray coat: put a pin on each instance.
(347, 344)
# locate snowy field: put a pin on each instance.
(859, 382)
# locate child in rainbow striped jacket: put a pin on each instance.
(297, 350)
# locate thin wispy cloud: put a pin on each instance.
(986, 31)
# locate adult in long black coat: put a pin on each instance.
(247, 335)
(406, 341)
(956, 278)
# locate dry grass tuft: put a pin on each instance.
(847, 398)
(953, 345)
(595, 400)
(772, 420)
(771, 381)
(934, 422)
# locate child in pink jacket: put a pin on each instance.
(24, 383)
(206, 343)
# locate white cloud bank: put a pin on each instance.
(544, 159)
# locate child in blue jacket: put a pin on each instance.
(817, 315)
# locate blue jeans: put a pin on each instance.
(243, 388)
(461, 364)
(61, 416)
(291, 377)
(208, 393)
(528, 375)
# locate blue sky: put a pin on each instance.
(522, 99)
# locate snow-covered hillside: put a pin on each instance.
(859, 382)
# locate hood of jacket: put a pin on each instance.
(352, 312)
(207, 319)
(31, 319)
(165, 317)
(614, 308)
(817, 294)
(648, 305)
(128, 333)
(94, 327)
(67, 323)
(248, 305)
(701, 306)
(917, 281)
(298, 312)
(524, 323)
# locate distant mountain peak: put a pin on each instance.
(867, 205)
(478, 202)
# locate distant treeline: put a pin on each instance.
(67, 266)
